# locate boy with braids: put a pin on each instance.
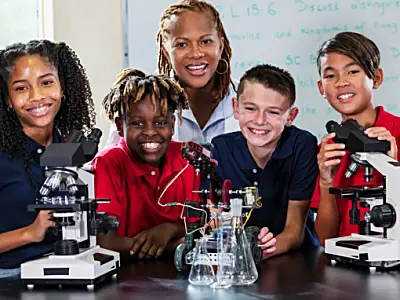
(44, 95)
(146, 168)
(195, 50)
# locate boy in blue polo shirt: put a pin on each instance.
(270, 153)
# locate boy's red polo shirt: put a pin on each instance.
(391, 123)
(134, 187)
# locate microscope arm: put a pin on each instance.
(384, 164)
(88, 168)
(390, 170)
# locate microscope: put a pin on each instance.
(68, 193)
(377, 245)
(220, 194)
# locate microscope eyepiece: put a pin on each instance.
(95, 135)
(332, 126)
(352, 124)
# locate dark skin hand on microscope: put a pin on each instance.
(33, 233)
(37, 230)
(152, 242)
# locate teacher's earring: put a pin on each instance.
(226, 67)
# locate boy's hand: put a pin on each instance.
(152, 242)
(37, 230)
(382, 134)
(266, 242)
(329, 158)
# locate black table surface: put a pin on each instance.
(298, 275)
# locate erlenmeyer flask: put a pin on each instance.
(244, 269)
(202, 272)
(224, 258)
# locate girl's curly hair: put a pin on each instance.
(77, 108)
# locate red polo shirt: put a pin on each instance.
(134, 187)
(391, 123)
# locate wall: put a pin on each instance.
(286, 33)
(93, 28)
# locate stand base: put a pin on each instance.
(364, 251)
(90, 267)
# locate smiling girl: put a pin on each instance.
(44, 95)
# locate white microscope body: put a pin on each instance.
(379, 244)
(76, 260)
(382, 250)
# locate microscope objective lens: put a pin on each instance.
(55, 181)
(71, 185)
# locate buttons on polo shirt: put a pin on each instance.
(153, 173)
(255, 183)
(255, 171)
(39, 151)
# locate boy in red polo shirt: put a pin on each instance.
(145, 168)
(349, 67)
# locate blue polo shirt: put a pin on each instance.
(16, 192)
(290, 174)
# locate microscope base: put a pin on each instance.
(364, 250)
(90, 268)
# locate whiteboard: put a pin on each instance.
(285, 33)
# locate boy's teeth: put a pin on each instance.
(150, 145)
(258, 131)
(345, 96)
(196, 67)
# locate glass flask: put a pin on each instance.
(244, 269)
(202, 272)
(224, 258)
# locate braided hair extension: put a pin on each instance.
(134, 85)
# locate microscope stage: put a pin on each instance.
(90, 267)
